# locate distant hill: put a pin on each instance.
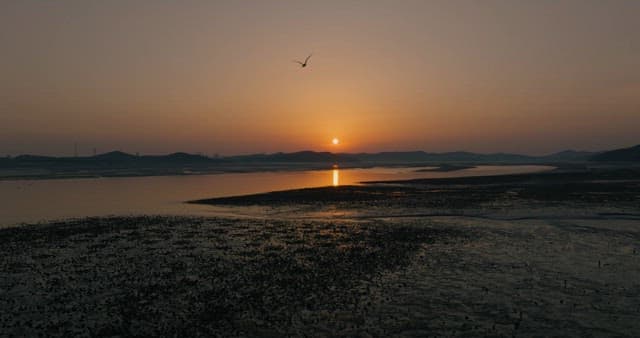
(114, 156)
(631, 154)
(395, 157)
(175, 157)
(569, 155)
(181, 159)
(117, 163)
(114, 159)
(186, 156)
(468, 157)
(458, 156)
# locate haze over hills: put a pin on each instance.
(110, 158)
(412, 157)
(306, 156)
(118, 163)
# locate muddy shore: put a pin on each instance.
(524, 255)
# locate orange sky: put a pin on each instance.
(217, 77)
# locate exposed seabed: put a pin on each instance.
(534, 255)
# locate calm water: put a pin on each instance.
(38, 200)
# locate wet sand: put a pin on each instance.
(524, 255)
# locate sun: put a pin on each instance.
(335, 141)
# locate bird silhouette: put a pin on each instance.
(303, 64)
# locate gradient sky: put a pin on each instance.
(217, 76)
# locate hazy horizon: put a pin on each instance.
(158, 77)
(102, 152)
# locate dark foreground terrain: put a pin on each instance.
(526, 255)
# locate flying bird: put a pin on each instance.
(303, 64)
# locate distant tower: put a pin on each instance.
(75, 149)
(95, 151)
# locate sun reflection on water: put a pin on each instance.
(336, 177)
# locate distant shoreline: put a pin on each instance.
(12, 175)
(447, 168)
(169, 172)
(234, 170)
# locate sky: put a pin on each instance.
(531, 77)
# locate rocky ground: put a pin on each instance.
(533, 255)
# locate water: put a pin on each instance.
(31, 201)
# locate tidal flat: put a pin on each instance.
(550, 254)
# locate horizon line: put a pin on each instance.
(219, 156)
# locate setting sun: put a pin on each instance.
(335, 141)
